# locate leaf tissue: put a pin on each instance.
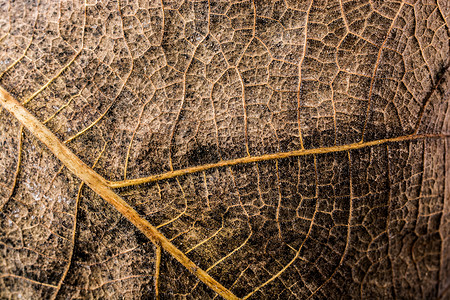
(252, 149)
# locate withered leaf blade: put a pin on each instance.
(245, 149)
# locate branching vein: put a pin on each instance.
(99, 185)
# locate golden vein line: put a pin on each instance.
(63, 107)
(231, 253)
(266, 157)
(297, 252)
(19, 162)
(24, 53)
(66, 270)
(181, 213)
(347, 243)
(65, 67)
(303, 55)
(375, 70)
(53, 78)
(206, 239)
(90, 125)
(98, 184)
(74, 232)
(28, 279)
(157, 271)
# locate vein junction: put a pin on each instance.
(266, 157)
(104, 187)
(99, 185)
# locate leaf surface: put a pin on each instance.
(207, 149)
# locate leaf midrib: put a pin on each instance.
(98, 184)
(104, 188)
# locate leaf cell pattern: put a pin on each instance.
(283, 149)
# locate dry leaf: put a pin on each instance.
(235, 149)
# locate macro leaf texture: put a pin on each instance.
(290, 149)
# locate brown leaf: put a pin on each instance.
(235, 149)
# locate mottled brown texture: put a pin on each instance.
(259, 108)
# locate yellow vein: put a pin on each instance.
(207, 239)
(65, 67)
(74, 232)
(52, 79)
(303, 55)
(266, 157)
(19, 161)
(98, 184)
(66, 270)
(181, 213)
(24, 53)
(28, 279)
(230, 254)
(347, 243)
(90, 125)
(157, 271)
(375, 69)
(297, 252)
